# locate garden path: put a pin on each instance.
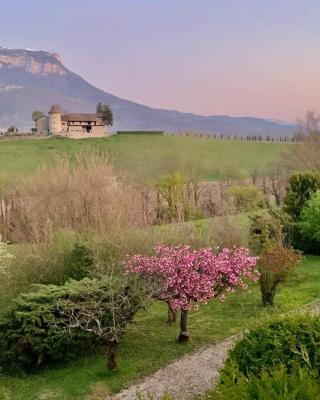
(191, 375)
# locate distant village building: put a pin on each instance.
(70, 125)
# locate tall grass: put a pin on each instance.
(82, 194)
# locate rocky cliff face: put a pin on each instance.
(34, 80)
(33, 62)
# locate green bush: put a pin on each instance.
(27, 339)
(247, 198)
(309, 224)
(303, 243)
(56, 323)
(301, 188)
(269, 228)
(287, 341)
(277, 384)
(68, 256)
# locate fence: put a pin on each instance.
(252, 138)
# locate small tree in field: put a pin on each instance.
(184, 276)
(275, 265)
(270, 238)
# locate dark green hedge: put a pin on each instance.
(283, 341)
(140, 132)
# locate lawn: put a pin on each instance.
(150, 342)
(146, 157)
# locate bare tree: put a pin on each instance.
(305, 155)
(277, 178)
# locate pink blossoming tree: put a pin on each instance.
(183, 276)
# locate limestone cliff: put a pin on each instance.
(33, 62)
(34, 80)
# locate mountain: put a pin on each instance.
(34, 80)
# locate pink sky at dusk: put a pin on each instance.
(257, 58)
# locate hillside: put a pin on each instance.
(147, 157)
(34, 80)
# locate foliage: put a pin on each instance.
(278, 383)
(66, 256)
(288, 341)
(247, 198)
(170, 190)
(53, 323)
(269, 237)
(5, 260)
(279, 359)
(309, 223)
(275, 265)
(301, 188)
(185, 276)
(36, 115)
(182, 276)
(104, 112)
(147, 345)
(140, 133)
(269, 228)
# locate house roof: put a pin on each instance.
(55, 109)
(80, 118)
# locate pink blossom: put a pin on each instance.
(186, 276)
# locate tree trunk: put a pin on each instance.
(172, 315)
(112, 351)
(268, 298)
(184, 335)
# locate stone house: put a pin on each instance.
(70, 125)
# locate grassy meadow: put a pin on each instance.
(151, 343)
(146, 157)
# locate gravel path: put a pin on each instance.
(190, 375)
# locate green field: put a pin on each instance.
(146, 157)
(150, 343)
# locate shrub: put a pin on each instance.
(5, 260)
(301, 188)
(247, 198)
(275, 265)
(286, 341)
(269, 237)
(55, 323)
(304, 243)
(310, 218)
(68, 255)
(269, 228)
(275, 384)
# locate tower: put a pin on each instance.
(55, 120)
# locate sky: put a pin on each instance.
(211, 57)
